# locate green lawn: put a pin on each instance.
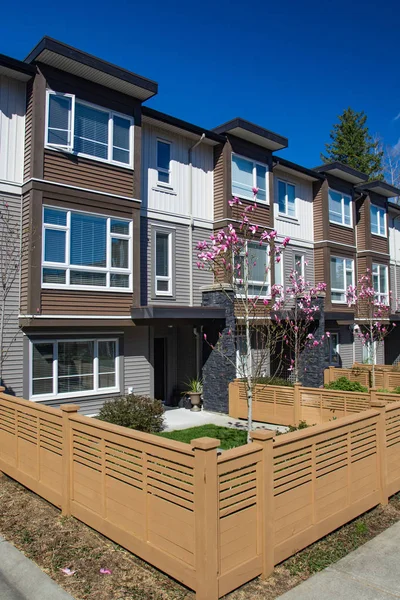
(229, 438)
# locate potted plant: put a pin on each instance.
(194, 391)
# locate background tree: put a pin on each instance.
(353, 145)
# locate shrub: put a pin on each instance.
(396, 390)
(136, 412)
(345, 385)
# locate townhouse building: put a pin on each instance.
(113, 196)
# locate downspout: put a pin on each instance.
(395, 260)
(191, 223)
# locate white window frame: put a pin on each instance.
(266, 284)
(255, 163)
(70, 146)
(163, 277)
(67, 266)
(376, 270)
(342, 223)
(302, 263)
(337, 290)
(381, 215)
(96, 390)
(286, 213)
(158, 169)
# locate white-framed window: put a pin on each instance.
(163, 263)
(342, 275)
(246, 175)
(332, 349)
(66, 368)
(380, 282)
(88, 130)
(86, 251)
(378, 220)
(287, 198)
(164, 162)
(299, 265)
(254, 269)
(279, 273)
(340, 208)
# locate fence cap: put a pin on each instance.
(378, 404)
(262, 435)
(69, 408)
(205, 443)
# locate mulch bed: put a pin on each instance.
(37, 529)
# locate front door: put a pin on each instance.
(160, 371)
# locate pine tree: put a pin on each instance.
(353, 145)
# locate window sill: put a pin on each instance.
(287, 219)
(81, 288)
(247, 199)
(102, 392)
(89, 157)
(379, 235)
(341, 225)
(165, 189)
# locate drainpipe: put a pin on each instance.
(190, 158)
(395, 259)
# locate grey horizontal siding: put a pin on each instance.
(201, 277)
(346, 347)
(138, 371)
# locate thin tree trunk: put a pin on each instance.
(249, 377)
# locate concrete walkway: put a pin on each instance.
(370, 573)
(182, 418)
(21, 579)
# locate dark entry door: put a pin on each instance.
(160, 371)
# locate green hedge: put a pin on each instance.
(345, 385)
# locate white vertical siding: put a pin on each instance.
(302, 227)
(12, 125)
(175, 201)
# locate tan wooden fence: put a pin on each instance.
(212, 522)
(386, 376)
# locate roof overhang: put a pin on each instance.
(66, 58)
(342, 172)
(176, 314)
(297, 170)
(253, 133)
(179, 127)
(380, 187)
(11, 67)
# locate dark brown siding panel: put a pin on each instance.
(28, 130)
(319, 191)
(25, 252)
(379, 244)
(250, 150)
(319, 269)
(262, 215)
(219, 188)
(342, 235)
(60, 302)
(93, 175)
(362, 220)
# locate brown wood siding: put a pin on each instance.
(81, 172)
(362, 221)
(28, 130)
(26, 199)
(64, 302)
(262, 215)
(319, 191)
(341, 234)
(219, 187)
(319, 269)
(249, 150)
(379, 244)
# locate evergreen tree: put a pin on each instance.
(353, 145)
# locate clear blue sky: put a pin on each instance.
(291, 67)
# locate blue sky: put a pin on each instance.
(291, 67)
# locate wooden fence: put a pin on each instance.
(212, 522)
(386, 376)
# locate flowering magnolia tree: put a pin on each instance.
(242, 257)
(372, 310)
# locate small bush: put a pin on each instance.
(136, 412)
(396, 390)
(345, 385)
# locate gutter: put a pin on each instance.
(191, 224)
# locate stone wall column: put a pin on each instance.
(312, 362)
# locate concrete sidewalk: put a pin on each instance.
(372, 572)
(21, 579)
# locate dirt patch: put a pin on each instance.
(55, 542)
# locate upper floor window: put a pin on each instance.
(340, 208)
(254, 270)
(163, 161)
(163, 263)
(342, 275)
(86, 251)
(380, 282)
(378, 220)
(287, 198)
(246, 175)
(88, 130)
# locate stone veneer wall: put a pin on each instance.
(312, 363)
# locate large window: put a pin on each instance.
(287, 199)
(254, 270)
(88, 130)
(164, 162)
(378, 220)
(86, 251)
(73, 367)
(340, 208)
(246, 175)
(380, 283)
(342, 275)
(163, 263)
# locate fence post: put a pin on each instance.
(327, 375)
(234, 399)
(206, 517)
(265, 439)
(67, 411)
(373, 395)
(2, 390)
(297, 404)
(382, 458)
(386, 384)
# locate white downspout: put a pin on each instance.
(190, 157)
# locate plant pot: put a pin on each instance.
(195, 399)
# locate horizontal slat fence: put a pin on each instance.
(212, 522)
(386, 376)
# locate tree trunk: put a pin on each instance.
(249, 378)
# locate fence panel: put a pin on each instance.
(393, 448)
(319, 405)
(271, 403)
(31, 441)
(240, 508)
(323, 477)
